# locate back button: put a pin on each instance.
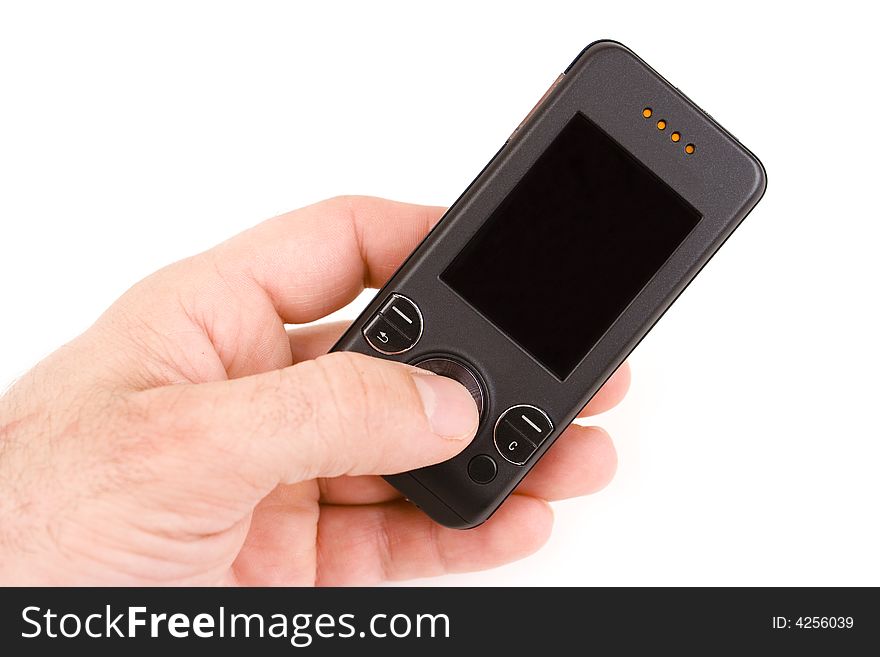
(384, 337)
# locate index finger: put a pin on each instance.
(317, 259)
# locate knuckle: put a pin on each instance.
(344, 200)
(173, 422)
(281, 403)
(360, 407)
(344, 404)
(174, 413)
(164, 426)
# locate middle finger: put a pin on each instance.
(582, 461)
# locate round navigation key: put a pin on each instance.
(457, 372)
(482, 469)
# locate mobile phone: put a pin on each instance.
(555, 262)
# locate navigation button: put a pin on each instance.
(457, 372)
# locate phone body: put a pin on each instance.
(555, 262)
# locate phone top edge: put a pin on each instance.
(600, 45)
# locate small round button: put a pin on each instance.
(457, 372)
(482, 469)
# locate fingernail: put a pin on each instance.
(449, 407)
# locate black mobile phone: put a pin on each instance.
(555, 262)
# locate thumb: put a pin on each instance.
(342, 413)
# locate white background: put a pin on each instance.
(133, 134)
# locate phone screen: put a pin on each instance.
(571, 246)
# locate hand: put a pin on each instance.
(188, 437)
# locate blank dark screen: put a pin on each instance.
(571, 246)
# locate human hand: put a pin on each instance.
(188, 437)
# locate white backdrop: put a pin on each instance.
(133, 134)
